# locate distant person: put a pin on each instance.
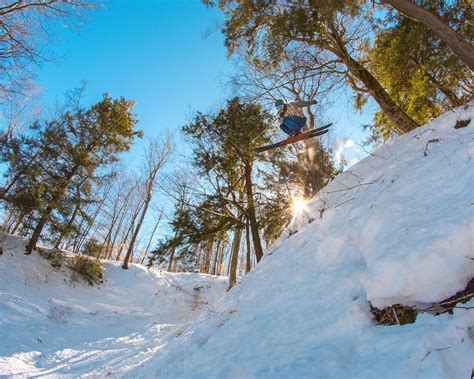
(291, 116)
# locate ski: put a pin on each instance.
(299, 137)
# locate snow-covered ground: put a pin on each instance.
(52, 326)
(397, 227)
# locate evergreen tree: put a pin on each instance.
(269, 29)
(224, 147)
(54, 167)
(419, 71)
(442, 29)
(223, 153)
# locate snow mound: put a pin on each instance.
(395, 228)
(50, 325)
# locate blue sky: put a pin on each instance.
(158, 53)
(167, 55)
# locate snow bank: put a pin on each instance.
(407, 210)
(395, 228)
(50, 325)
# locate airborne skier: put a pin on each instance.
(291, 116)
(292, 120)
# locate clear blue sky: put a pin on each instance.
(156, 52)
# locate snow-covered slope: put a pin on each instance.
(52, 326)
(398, 227)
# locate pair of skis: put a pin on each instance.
(299, 137)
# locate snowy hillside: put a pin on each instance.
(396, 228)
(49, 325)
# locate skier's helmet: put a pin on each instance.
(279, 104)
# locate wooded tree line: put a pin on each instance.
(63, 182)
(412, 58)
(240, 201)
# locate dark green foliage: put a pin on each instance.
(92, 248)
(54, 256)
(420, 72)
(54, 168)
(226, 140)
(89, 269)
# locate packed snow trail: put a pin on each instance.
(395, 228)
(50, 326)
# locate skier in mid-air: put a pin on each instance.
(291, 116)
(292, 121)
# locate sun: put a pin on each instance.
(299, 205)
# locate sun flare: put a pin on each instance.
(299, 205)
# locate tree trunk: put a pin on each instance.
(171, 260)
(206, 266)
(220, 265)
(460, 47)
(132, 223)
(78, 242)
(257, 244)
(45, 215)
(173, 250)
(71, 220)
(235, 256)
(38, 229)
(311, 178)
(248, 260)
(151, 238)
(448, 94)
(135, 233)
(117, 232)
(216, 258)
(401, 121)
(116, 216)
(16, 224)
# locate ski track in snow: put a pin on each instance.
(397, 227)
(52, 327)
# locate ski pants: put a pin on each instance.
(292, 124)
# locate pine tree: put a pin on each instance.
(419, 71)
(223, 154)
(62, 158)
(268, 29)
(225, 146)
(443, 30)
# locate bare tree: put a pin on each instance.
(114, 213)
(17, 109)
(27, 30)
(133, 211)
(156, 156)
(152, 234)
